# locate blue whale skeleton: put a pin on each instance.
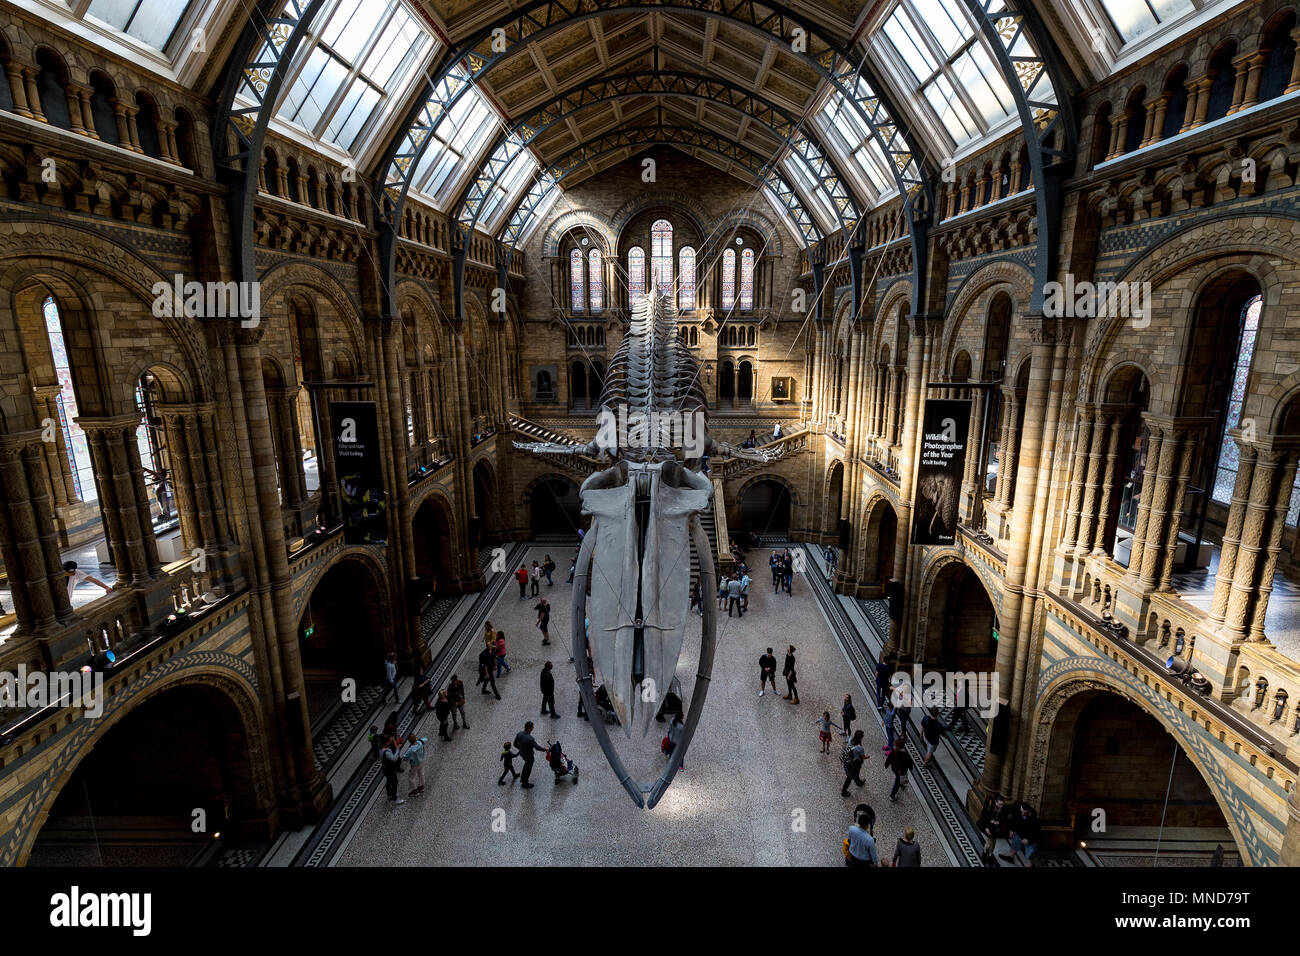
(633, 574)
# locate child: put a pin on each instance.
(824, 726)
(508, 761)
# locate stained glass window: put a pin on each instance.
(729, 278)
(747, 280)
(597, 286)
(636, 271)
(577, 287)
(661, 252)
(83, 478)
(686, 279)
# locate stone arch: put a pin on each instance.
(878, 542)
(229, 675)
(743, 218)
(977, 292)
(678, 202)
(939, 563)
(284, 279)
(85, 254)
(435, 539)
(599, 226)
(1071, 676)
(1197, 255)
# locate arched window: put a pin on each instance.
(747, 280)
(152, 442)
(636, 271)
(595, 281)
(1226, 475)
(83, 477)
(577, 281)
(686, 279)
(661, 252)
(729, 278)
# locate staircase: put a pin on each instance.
(718, 543)
(541, 433)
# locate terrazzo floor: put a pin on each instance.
(755, 789)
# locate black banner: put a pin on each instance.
(357, 463)
(944, 427)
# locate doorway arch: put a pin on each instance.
(554, 506)
(765, 507)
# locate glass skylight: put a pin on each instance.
(149, 21)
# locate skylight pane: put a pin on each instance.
(399, 39)
(902, 33)
(149, 21)
(350, 28)
(1132, 18)
(951, 112)
(975, 74)
(950, 33)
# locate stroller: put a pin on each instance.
(559, 763)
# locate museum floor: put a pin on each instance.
(755, 789)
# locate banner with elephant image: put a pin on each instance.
(944, 429)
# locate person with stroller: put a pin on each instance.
(559, 763)
(527, 746)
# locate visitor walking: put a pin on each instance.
(392, 766)
(908, 851)
(548, 689)
(722, 591)
(696, 602)
(543, 609)
(766, 671)
(443, 710)
(486, 671)
(414, 757)
(489, 634)
(548, 568)
(932, 729)
(990, 825)
(456, 694)
(774, 563)
(851, 758)
(522, 577)
(508, 764)
(535, 578)
(791, 678)
(422, 692)
(733, 598)
(500, 650)
(527, 746)
(899, 761)
(744, 592)
(862, 845)
(891, 713)
(883, 671)
(848, 715)
(787, 572)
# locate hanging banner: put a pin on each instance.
(357, 463)
(944, 428)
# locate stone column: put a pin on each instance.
(1045, 335)
(1078, 474)
(1191, 443)
(1273, 546)
(33, 93)
(1295, 66)
(115, 483)
(1108, 483)
(1118, 133)
(18, 89)
(1158, 107)
(1250, 71)
(1007, 451)
(1159, 462)
(40, 595)
(970, 476)
(1264, 492)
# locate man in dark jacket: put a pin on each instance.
(990, 824)
(932, 728)
(548, 689)
(791, 678)
(766, 671)
(527, 746)
(487, 663)
(1022, 829)
(899, 761)
(443, 710)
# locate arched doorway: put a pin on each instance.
(486, 522)
(184, 750)
(1107, 752)
(555, 508)
(962, 625)
(834, 502)
(432, 536)
(765, 508)
(341, 634)
(879, 540)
